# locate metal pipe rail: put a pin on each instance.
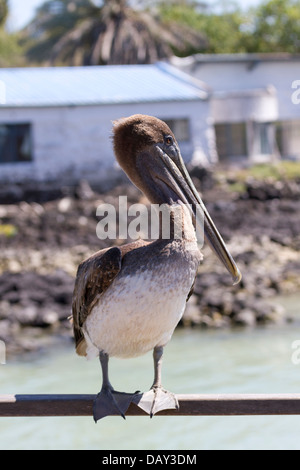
(189, 405)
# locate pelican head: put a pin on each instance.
(147, 150)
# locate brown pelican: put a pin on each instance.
(128, 299)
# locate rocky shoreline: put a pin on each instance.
(42, 243)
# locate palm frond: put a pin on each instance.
(112, 34)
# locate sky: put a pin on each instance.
(22, 11)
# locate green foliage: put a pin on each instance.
(8, 230)
(10, 49)
(11, 53)
(291, 170)
(283, 170)
(273, 26)
(222, 29)
(88, 32)
(237, 187)
(3, 11)
(223, 32)
(236, 179)
(276, 27)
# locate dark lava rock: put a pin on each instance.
(268, 189)
(31, 303)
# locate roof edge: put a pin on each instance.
(202, 88)
(238, 57)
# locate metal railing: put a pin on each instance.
(189, 405)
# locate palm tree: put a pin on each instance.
(77, 32)
(3, 11)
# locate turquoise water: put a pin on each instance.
(238, 361)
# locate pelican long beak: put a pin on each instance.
(179, 182)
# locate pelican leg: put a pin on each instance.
(110, 402)
(157, 399)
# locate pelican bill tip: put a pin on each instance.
(237, 277)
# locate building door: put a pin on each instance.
(231, 140)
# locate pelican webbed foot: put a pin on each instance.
(157, 399)
(109, 402)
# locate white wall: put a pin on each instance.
(234, 76)
(252, 89)
(71, 143)
(258, 106)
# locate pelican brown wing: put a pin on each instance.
(94, 276)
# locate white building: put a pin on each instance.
(255, 103)
(55, 123)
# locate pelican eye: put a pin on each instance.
(169, 140)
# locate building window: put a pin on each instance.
(180, 128)
(288, 138)
(265, 136)
(15, 143)
(231, 140)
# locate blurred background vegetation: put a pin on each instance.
(86, 32)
